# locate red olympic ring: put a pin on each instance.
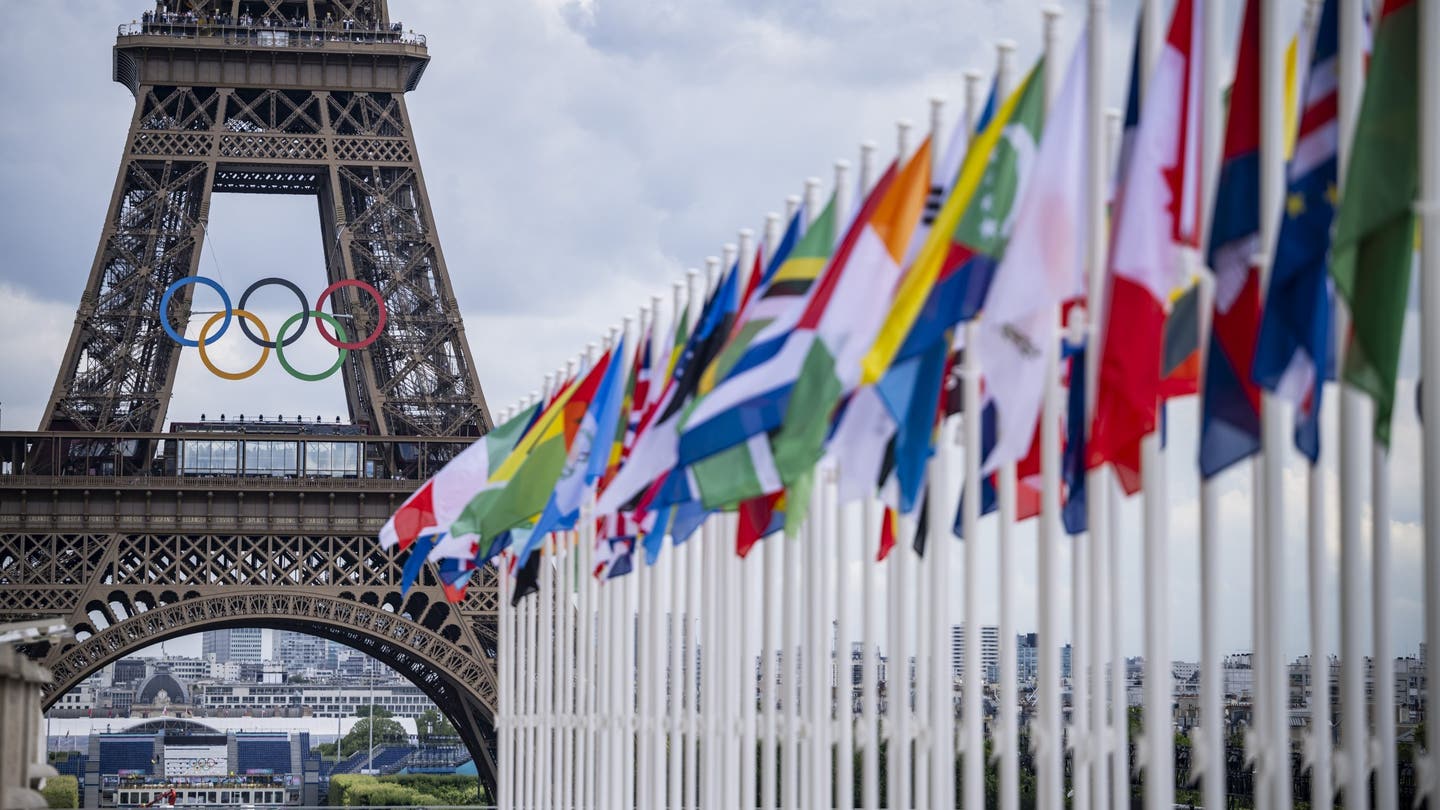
(374, 293)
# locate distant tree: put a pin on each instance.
(365, 710)
(432, 727)
(387, 732)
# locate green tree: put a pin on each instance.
(432, 727)
(387, 732)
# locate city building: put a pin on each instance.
(989, 651)
(233, 644)
(128, 670)
(300, 651)
(307, 699)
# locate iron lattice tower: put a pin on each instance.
(271, 108)
(99, 522)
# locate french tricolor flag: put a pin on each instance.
(1157, 229)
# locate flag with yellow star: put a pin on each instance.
(1293, 355)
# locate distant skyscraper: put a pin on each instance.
(232, 644)
(989, 651)
(299, 651)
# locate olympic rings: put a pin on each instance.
(374, 293)
(281, 343)
(233, 375)
(290, 285)
(170, 293)
(283, 338)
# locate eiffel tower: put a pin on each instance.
(135, 533)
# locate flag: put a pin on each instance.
(1131, 123)
(768, 300)
(418, 552)
(1375, 228)
(582, 467)
(1157, 223)
(951, 274)
(1180, 345)
(527, 579)
(759, 517)
(1075, 512)
(1044, 266)
(633, 407)
(656, 448)
(439, 500)
(725, 416)
(897, 411)
(845, 311)
(531, 470)
(1230, 406)
(1292, 354)
(889, 529)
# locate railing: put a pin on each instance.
(318, 36)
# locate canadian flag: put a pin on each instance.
(1156, 231)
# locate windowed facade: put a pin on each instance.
(272, 458)
(209, 457)
(332, 459)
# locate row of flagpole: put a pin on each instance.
(602, 704)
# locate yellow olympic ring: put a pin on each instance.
(236, 375)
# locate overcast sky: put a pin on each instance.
(580, 156)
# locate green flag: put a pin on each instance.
(1375, 231)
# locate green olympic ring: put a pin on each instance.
(280, 345)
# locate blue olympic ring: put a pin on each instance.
(165, 309)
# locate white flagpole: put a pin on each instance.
(899, 750)
(667, 681)
(564, 666)
(1351, 766)
(870, 576)
(531, 756)
(715, 782)
(614, 656)
(1273, 419)
(1047, 739)
(817, 690)
(585, 650)
(1209, 739)
(972, 742)
(940, 703)
(1428, 209)
(842, 553)
(1318, 752)
(1106, 492)
(790, 565)
(675, 694)
(742, 672)
(504, 724)
(1097, 480)
(645, 689)
(920, 616)
(693, 596)
(869, 663)
(898, 678)
(547, 669)
(1157, 744)
(1383, 666)
(844, 690)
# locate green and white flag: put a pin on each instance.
(1375, 229)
